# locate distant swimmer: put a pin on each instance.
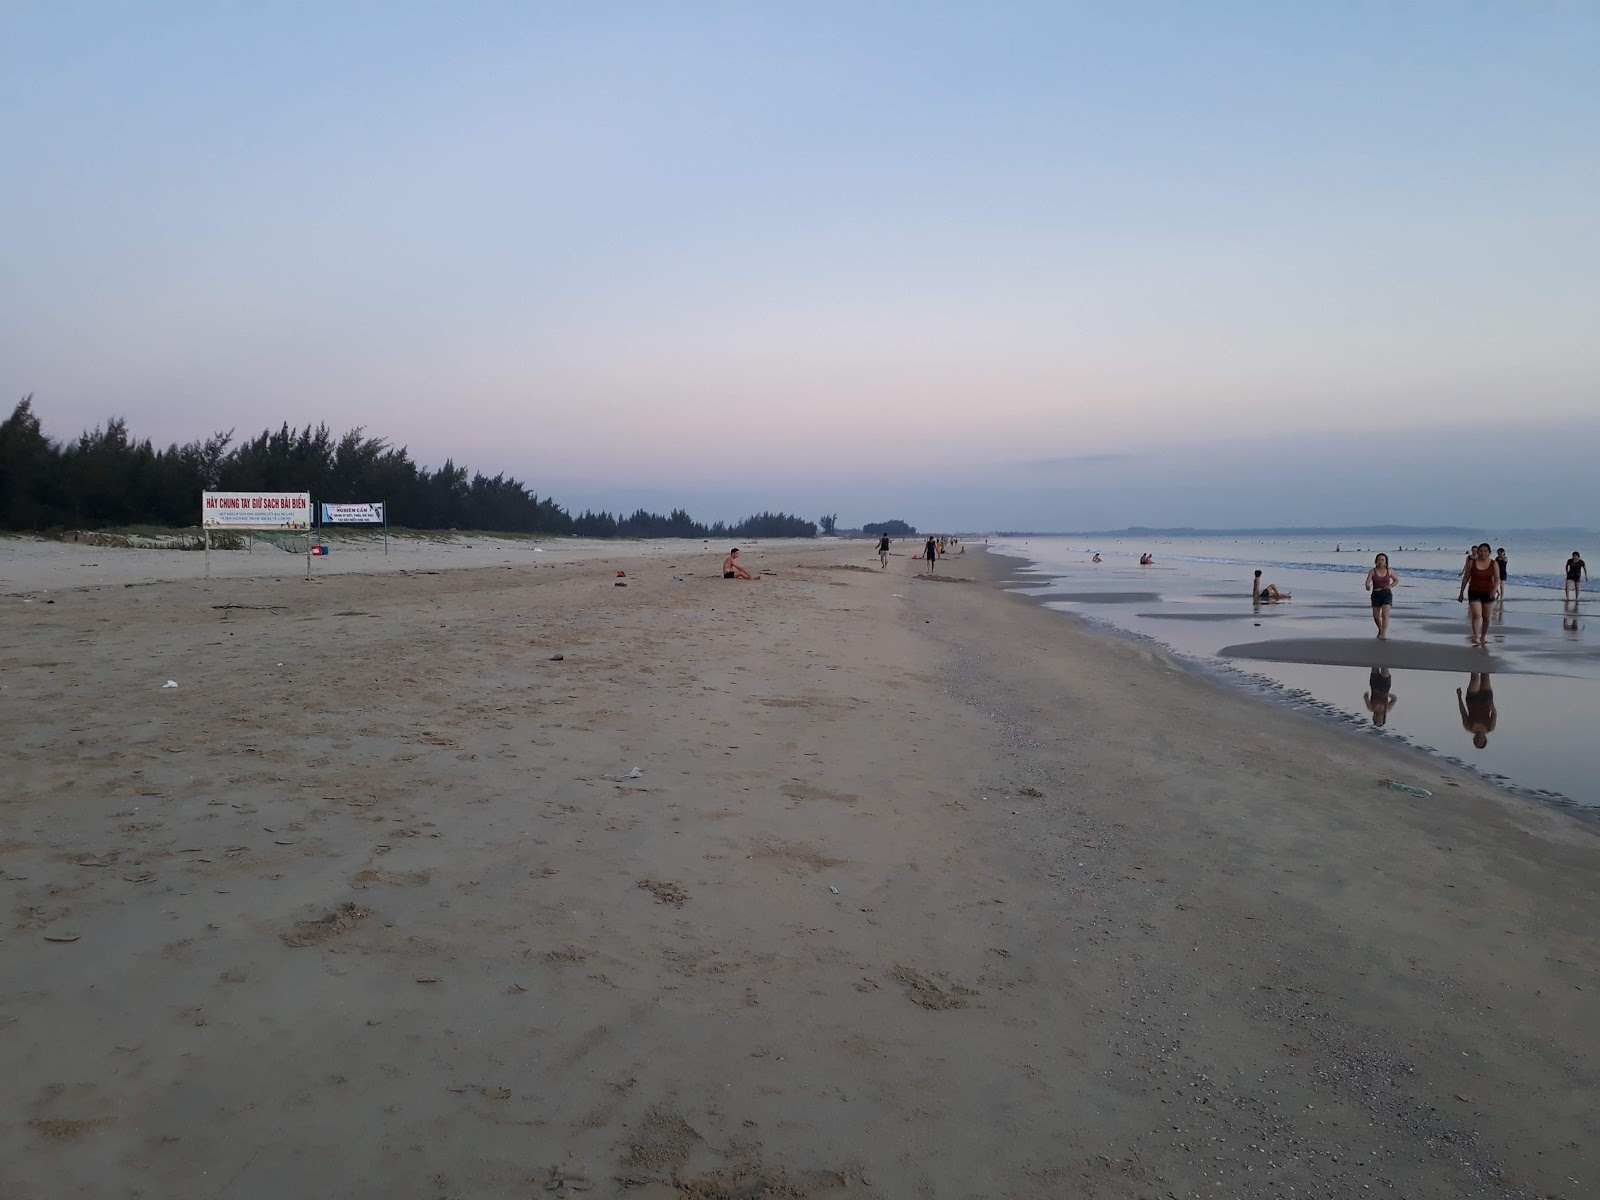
(1380, 582)
(1476, 706)
(732, 569)
(1265, 591)
(1480, 580)
(1502, 564)
(1378, 698)
(1096, 558)
(1577, 571)
(883, 551)
(931, 553)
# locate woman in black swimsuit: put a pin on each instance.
(1380, 582)
(1577, 571)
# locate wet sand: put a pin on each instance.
(373, 905)
(1370, 652)
(1104, 597)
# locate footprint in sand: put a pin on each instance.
(331, 924)
(665, 892)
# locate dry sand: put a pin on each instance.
(371, 905)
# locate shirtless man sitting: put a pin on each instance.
(731, 568)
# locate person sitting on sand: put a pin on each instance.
(1145, 560)
(1096, 558)
(1265, 591)
(731, 568)
(1478, 715)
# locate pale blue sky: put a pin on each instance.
(915, 260)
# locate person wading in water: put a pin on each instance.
(1380, 582)
(1480, 582)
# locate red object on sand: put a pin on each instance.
(621, 574)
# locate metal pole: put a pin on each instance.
(386, 528)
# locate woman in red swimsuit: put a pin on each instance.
(1480, 580)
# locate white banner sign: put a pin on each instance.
(353, 514)
(255, 510)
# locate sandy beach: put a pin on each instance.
(481, 876)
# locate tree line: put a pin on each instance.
(106, 477)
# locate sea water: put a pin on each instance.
(1195, 599)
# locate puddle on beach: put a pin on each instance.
(1524, 713)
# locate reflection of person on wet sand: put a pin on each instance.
(1265, 591)
(1478, 713)
(1379, 699)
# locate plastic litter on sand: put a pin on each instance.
(1396, 786)
(170, 683)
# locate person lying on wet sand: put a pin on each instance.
(1265, 591)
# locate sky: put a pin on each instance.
(1010, 266)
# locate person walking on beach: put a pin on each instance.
(1577, 571)
(1380, 582)
(1478, 715)
(1480, 580)
(931, 553)
(1502, 564)
(883, 552)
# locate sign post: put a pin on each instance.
(288, 511)
(373, 513)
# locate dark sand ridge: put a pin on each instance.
(1206, 616)
(1099, 597)
(1462, 627)
(1370, 652)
